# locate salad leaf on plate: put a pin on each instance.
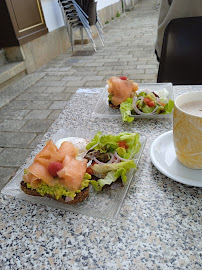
(125, 109)
(169, 106)
(114, 171)
(146, 102)
(121, 150)
(95, 140)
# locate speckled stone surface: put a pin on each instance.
(159, 225)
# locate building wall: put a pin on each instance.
(52, 14)
(105, 3)
(40, 51)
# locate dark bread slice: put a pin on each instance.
(113, 106)
(80, 197)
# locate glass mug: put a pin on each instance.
(187, 129)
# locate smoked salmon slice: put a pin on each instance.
(41, 172)
(121, 90)
(72, 173)
(32, 179)
(67, 148)
(48, 154)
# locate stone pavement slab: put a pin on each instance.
(8, 157)
(6, 174)
(38, 114)
(11, 125)
(37, 126)
(30, 106)
(16, 139)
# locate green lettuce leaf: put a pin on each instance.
(109, 143)
(110, 172)
(105, 143)
(160, 109)
(169, 106)
(121, 172)
(132, 141)
(151, 96)
(147, 109)
(125, 109)
(121, 151)
(142, 94)
(105, 168)
(111, 177)
(95, 140)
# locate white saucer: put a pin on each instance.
(163, 157)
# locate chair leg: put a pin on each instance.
(90, 37)
(81, 32)
(71, 39)
(100, 34)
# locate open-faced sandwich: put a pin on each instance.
(63, 171)
(58, 173)
(120, 89)
(110, 157)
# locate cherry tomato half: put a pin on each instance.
(124, 78)
(123, 144)
(89, 170)
(149, 102)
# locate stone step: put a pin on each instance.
(10, 72)
(2, 58)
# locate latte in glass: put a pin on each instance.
(187, 129)
(194, 108)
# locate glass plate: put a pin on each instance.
(104, 205)
(102, 109)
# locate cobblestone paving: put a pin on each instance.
(30, 106)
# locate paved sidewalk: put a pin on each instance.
(30, 106)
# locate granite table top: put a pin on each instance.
(158, 227)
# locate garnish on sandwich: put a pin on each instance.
(110, 157)
(58, 174)
(120, 89)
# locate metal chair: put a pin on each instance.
(181, 55)
(89, 8)
(76, 18)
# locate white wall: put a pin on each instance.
(53, 15)
(104, 3)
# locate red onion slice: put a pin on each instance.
(135, 106)
(112, 158)
(93, 146)
(68, 199)
(102, 163)
(116, 160)
(89, 163)
(140, 98)
(138, 111)
(155, 94)
(154, 111)
(97, 161)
